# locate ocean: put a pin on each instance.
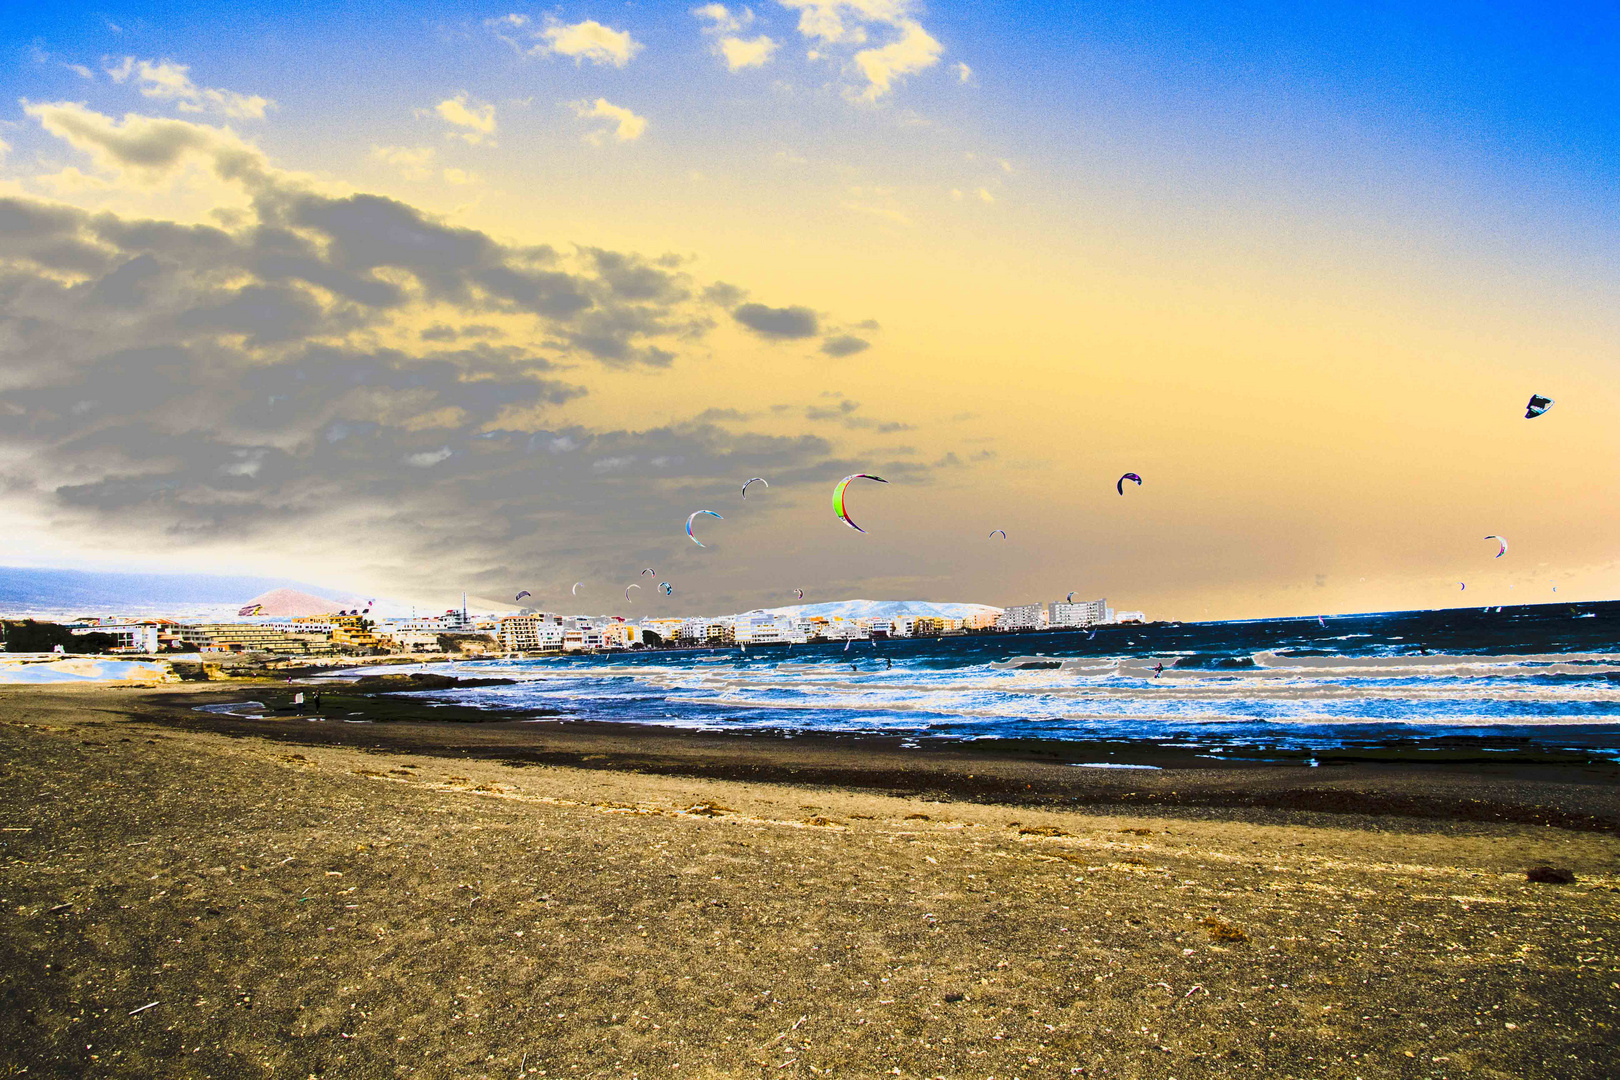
(1544, 676)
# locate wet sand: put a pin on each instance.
(456, 899)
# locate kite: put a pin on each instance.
(649, 570)
(799, 593)
(1537, 406)
(1070, 600)
(1462, 586)
(693, 518)
(1502, 544)
(627, 589)
(993, 532)
(521, 595)
(838, 497)
(1120, 485)
(755, 480)
(665, 587)
(577, 584)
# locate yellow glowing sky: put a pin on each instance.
(1308, 323)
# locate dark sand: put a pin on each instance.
(457, 899)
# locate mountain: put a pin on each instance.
(885, 609)
(95, 592)
(291, 604)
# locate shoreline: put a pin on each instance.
(1416, 780)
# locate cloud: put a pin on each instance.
(742, 53)
(413, 162)
(916, 51)
(782, 323)
(145, 149)
(724, 27)
(963, 72)
(166, 80)
(625, 125)
(985, 196)
(266, 385)
(852, 23)
(477, 117)
(840, 345)
(588, 40)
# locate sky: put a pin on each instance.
(422, 299)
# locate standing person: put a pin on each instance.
(1158, 669)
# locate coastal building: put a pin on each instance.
(984, 620)
(1081, 613)
(127, 637)
(247, 637)
(930, 626)
(668, 630)
(760, 628)
(1131, 617)
(621, 635)
(1023, 617)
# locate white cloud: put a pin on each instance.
(916, 50)
(854, 23)
(413, 162)
(81, 71)
(429, 458)
(478, 117)
(626, 126)
(740, 53)
(725, 26)
(169, 81)
(963, 72)
(985, 196)
(590, 40)
(460, 177)
(722, 20)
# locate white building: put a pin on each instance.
(1084, 613)
(127, 637)
(1131, 617)
(1023, 617)
(759, 628)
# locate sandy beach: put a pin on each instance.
(196, 895)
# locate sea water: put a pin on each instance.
(1548, 675)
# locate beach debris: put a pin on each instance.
(1537, 406)
(951, 999)
(627, 589)
(1120, 484)
(1549, 875)
(143, 1008)
(693, 518)
(838, 497)
(521, 595)
(1041, 830)
(1501, 545)
(993, 533)
(822, 822)
(754, 480)
(575, 589)
(708, 809)
(1222, 931)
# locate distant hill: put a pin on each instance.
(26, 589)
(290, 604)
(886, 609)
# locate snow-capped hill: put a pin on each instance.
(885, 609)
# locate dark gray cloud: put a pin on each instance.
(841, 345)
(204, 383)
(785, 323)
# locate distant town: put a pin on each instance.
(286, 625)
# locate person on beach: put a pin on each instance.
(1158, 669)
